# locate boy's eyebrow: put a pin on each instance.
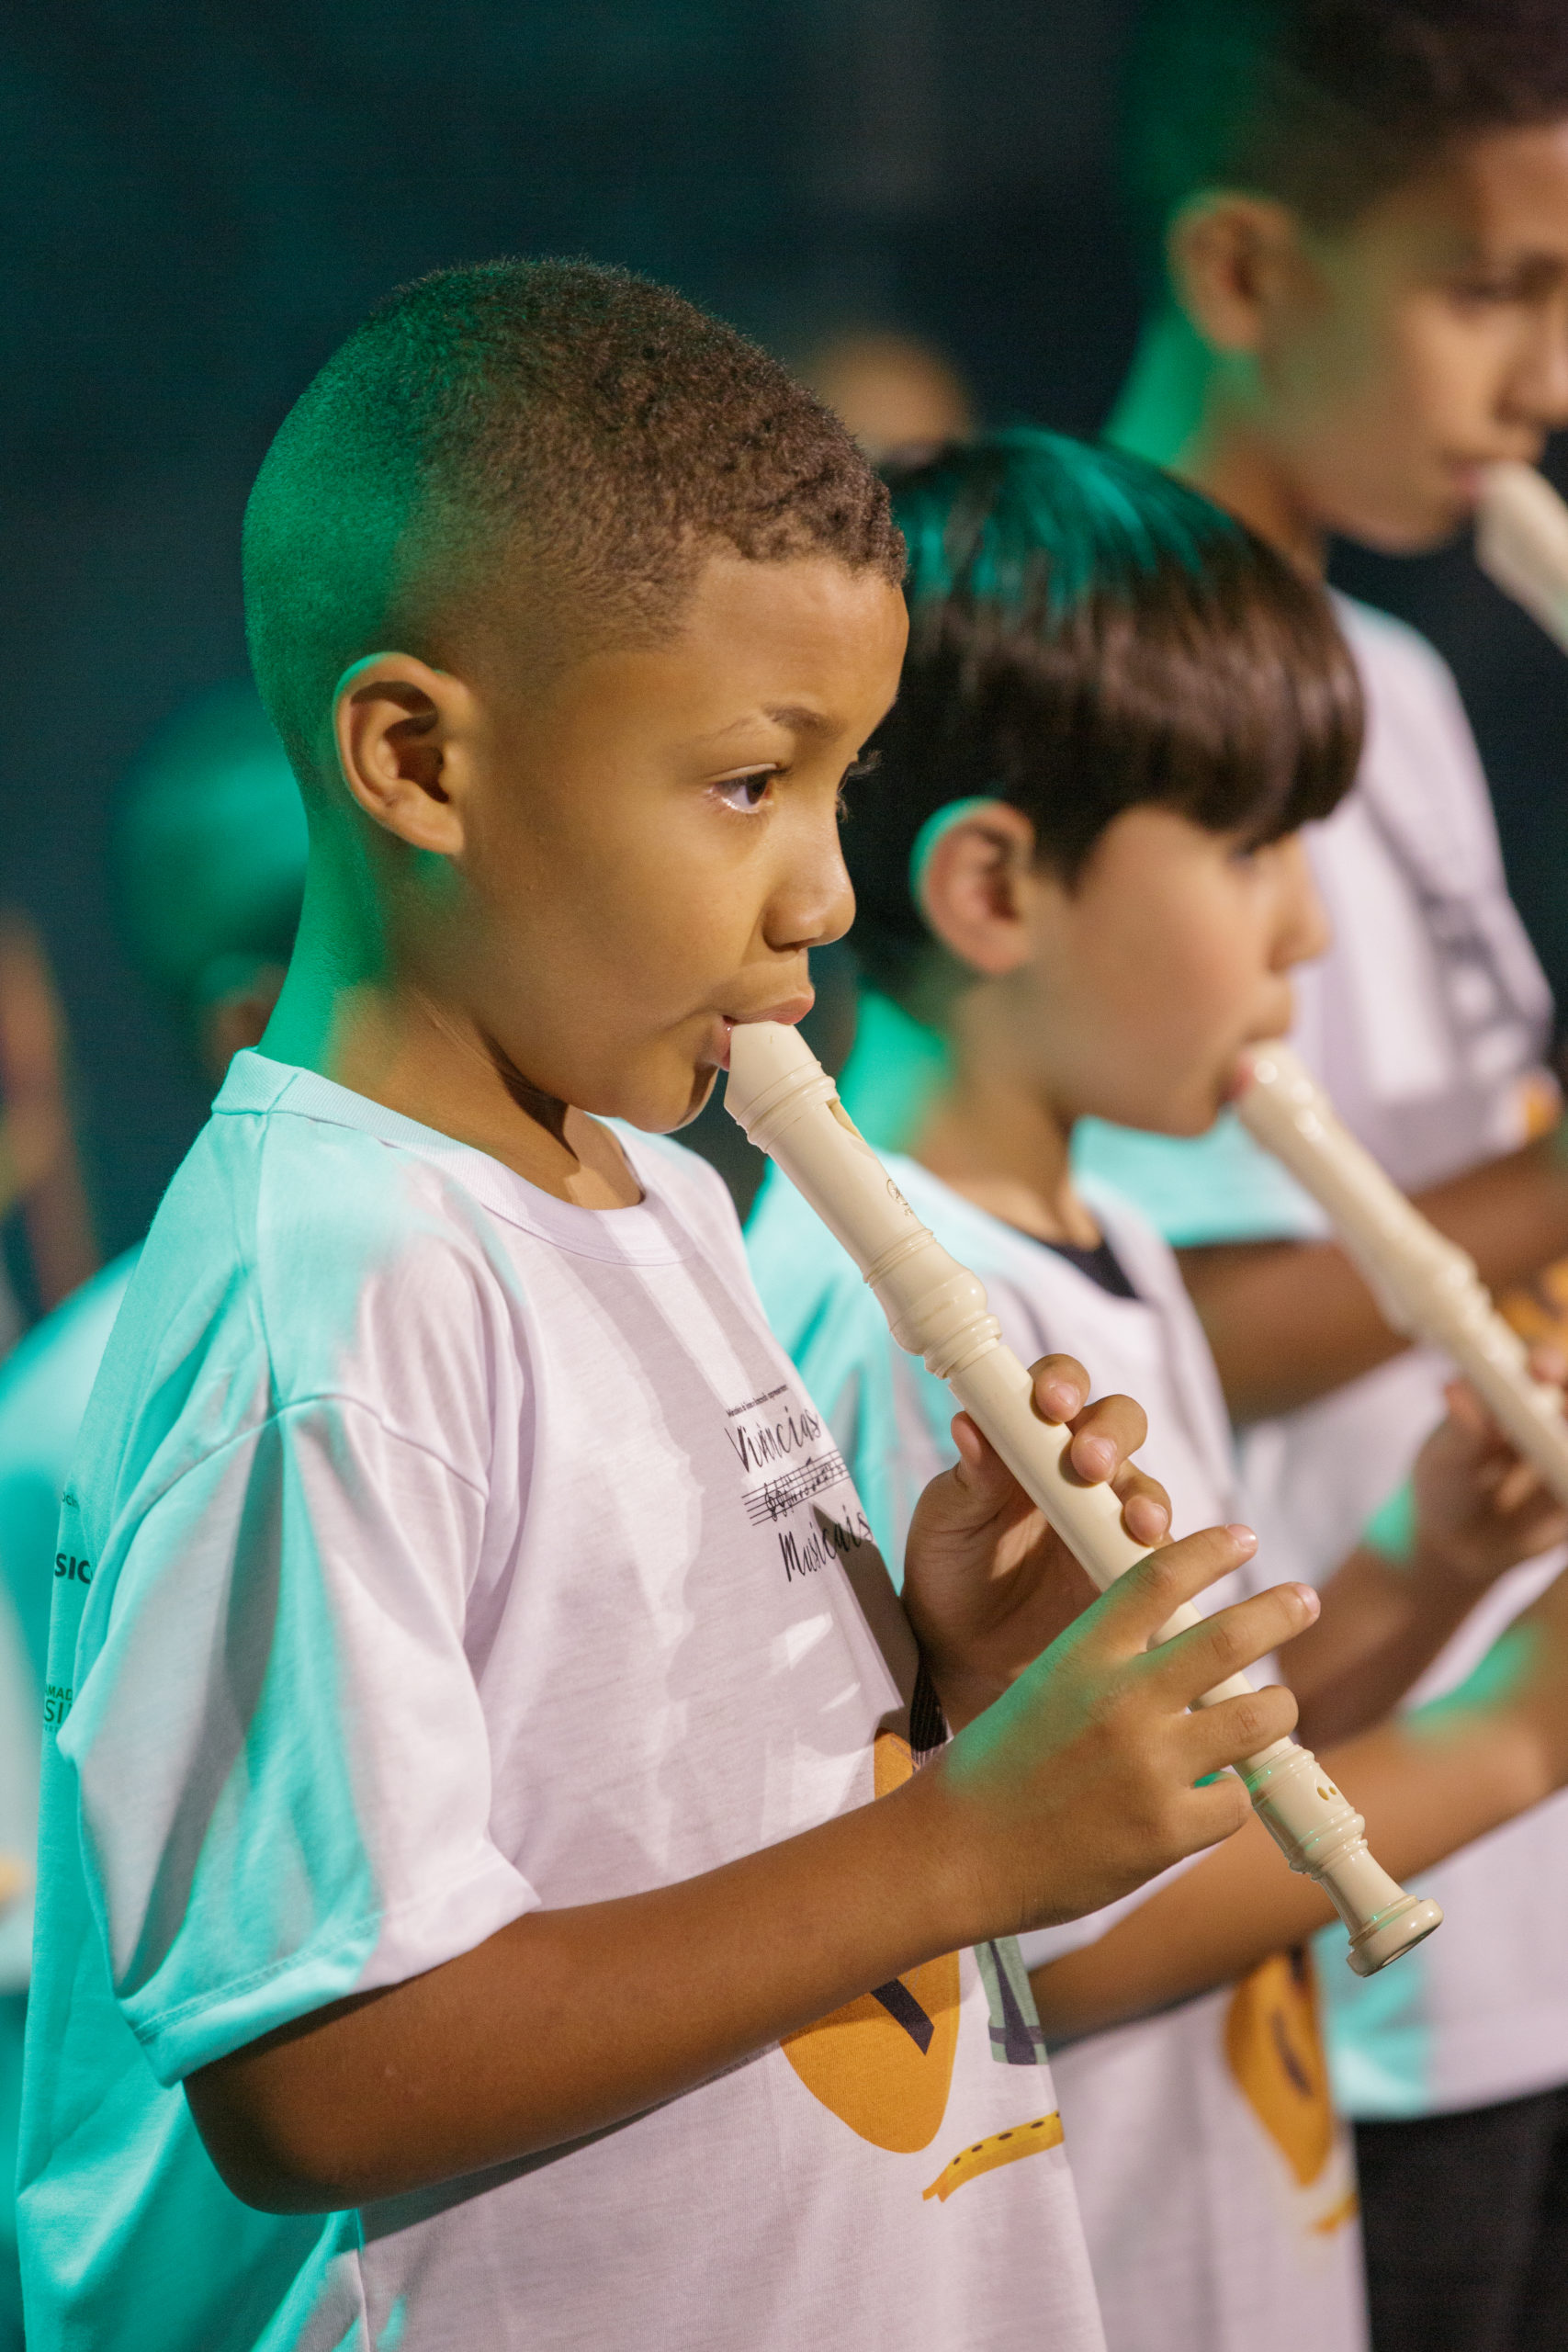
(798, 720)
(1537, 267)
(793, 719)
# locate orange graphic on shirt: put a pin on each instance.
(1538, 1309)
(1276, 2055)
(1001, 2148)
(884, 2063)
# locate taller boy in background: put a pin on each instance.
(460, 1843)
(1357, 212)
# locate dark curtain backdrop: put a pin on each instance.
(199, 201)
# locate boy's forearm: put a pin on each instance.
(1288, 1321)
(568, 2021)
(1381, 1624)
(1426, 1786)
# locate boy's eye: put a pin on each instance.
(745, 792)
(1491, 293)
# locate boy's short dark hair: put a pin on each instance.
(1326, 103)
(544, 441)
(1087, 636)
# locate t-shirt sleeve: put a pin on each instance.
(284, 1770)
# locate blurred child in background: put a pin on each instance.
(1355, 215)
(899, 395)
(41, 1173)
(208, 871)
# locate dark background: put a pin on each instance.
(200, 201)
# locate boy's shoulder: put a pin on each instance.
(1422, 785)
(1413, 696)
(1386, 644)
(299, 1198)
(315, 1244)
(312, 1245)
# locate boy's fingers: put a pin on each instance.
(1232, 1640)
(1061, 1387)
(1132, 1612)
(1509, 1477)
(982, 1479)
(1467, 1409)
(1518, 1483)
(1237, 1728)
(1214, 1813)
(1146, 1506)
(1104, 1434)
(986, 1481)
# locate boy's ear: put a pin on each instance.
(404, 734)
(972, 883)
(1232, 258)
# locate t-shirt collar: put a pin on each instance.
(647, 1234)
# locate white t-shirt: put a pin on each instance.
(439, 1550)
(1427, 1020)
(1214, 2179)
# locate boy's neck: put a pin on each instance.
(348, 1013)
(990, 1135)
(1185, 407)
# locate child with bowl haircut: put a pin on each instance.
(1354, 215)
(1082, 886)
(464, 1916)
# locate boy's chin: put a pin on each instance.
(1420, 524)
(661, 1105)
(1193, 1114)
(705, 1084)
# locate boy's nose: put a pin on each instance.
(1540, 390)
(813, 908)
(1304, 930)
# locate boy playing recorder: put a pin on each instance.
(1355, 217)
(465, 1920)
(1079, 867)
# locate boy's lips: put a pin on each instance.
(786, 1013)
(1468, 475)
(1235, 1086)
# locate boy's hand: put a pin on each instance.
(1481, 1508)
(988, 1582)
(1080, 1782)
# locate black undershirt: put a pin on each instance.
(1100, 1264)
